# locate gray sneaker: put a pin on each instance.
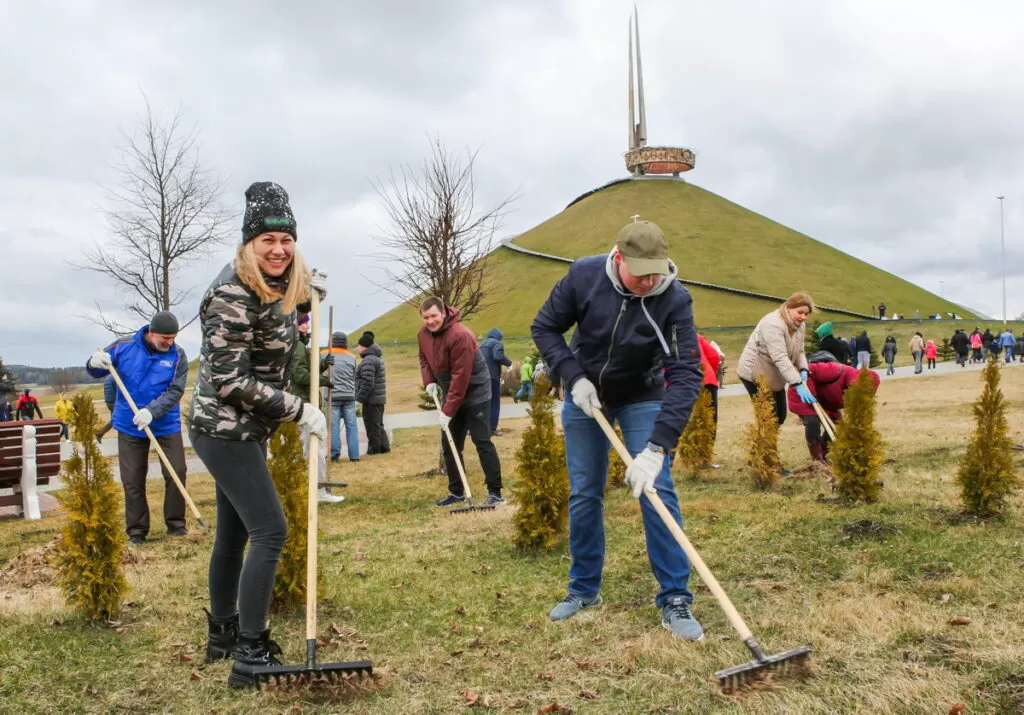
(571, 605)
(676, 617)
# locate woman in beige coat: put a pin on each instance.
(917, 350)
(775, 350)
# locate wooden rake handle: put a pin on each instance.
(691, 553)
(455, 454)
(159, 449)
(312, 457)
(826, 421)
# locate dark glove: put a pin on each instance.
(328, 360)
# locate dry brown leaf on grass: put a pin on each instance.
(588, 695)
(196, 675)
(960, 621)
(545, 676)
(957, 708)
(470, 697)
(555, 708)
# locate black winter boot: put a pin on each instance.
(252, 653)
(223, 637)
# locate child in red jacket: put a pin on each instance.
(827, 380)
(930, 353)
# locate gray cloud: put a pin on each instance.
(883, 130)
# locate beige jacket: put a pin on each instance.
(771, 351)
(917, 344)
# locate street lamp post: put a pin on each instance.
(1002, 245)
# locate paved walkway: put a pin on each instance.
(425, 418)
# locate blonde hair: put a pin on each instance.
(800, 299)
(248, 270)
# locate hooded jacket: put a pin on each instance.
(493, 351)
(450, 357)
(827, 381)
(835, 346)
(623, 341)
(371, 378)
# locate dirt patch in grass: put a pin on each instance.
(867, 529)
(34, 567)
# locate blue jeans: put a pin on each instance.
(525, 391)
(586, 455)
(348, 409)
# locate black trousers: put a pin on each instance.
(376, 435)
(713, 391)
(474, 419)
(778, 399)
(248, 510)
(133, 459)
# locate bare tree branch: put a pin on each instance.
(438, 242)
(164, 214)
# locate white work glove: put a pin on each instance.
(100, 360)
(314, 419)
(444, 419)
(645, 469)
(584, 395)
(319, 283)
(142, 418)
(434, 390)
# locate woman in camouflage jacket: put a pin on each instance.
(241, 395)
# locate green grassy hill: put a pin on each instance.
(711, 239)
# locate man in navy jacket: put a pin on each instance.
(154, 371)
(633, 319)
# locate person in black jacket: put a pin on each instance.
(863, 350)
(493, 351)
(372, 394)
(634, 335)
(962, 344)
(831, 343)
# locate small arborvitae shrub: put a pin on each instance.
(426, 401)
(92, 540)
(858, 453)
(945, 351)
(986, 473)
(696, 448)
(763, 440)
(616, 467)
(811, 342)
(542, 490)
(290, 472)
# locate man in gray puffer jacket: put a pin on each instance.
(343, 397)
(371, 393)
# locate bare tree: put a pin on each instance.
(165, 213)
(63, 379)
(438, 242)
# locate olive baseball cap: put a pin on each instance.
(643, 245)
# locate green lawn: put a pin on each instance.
(451, 613)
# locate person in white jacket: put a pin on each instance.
(775, 350)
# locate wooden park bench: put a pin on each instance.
(29, 457)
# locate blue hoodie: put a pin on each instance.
(493, 351)
(623, 342)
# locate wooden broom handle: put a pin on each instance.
(691, 553)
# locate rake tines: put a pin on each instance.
(763, 671)
(290, 677)
(472, 507)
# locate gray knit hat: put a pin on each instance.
(339, 340)
(164, 323)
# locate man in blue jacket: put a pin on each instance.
(633, 319)
(493, 351)
(154, 371)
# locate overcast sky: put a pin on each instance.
(884, 129)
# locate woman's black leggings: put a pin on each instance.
(778, 399)
(248, 510)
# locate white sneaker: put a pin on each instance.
(325, 497)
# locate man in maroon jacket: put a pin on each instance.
(454, 370)
(827, 379)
